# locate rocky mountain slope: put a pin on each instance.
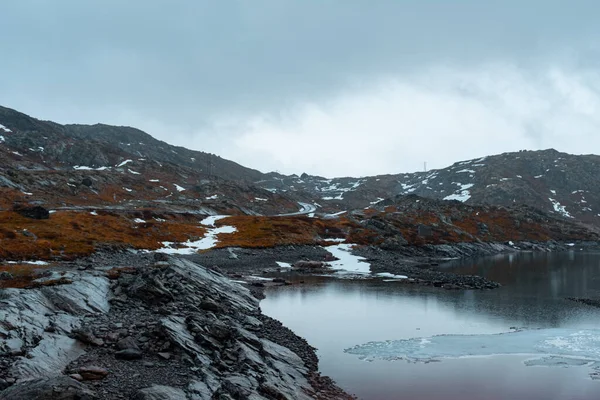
(558, 183)
(62, 166)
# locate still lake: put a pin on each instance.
(381, 340)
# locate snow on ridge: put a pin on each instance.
(133, 172)
(2, 139)
(465, 170)
(4, 128)
(82, 168)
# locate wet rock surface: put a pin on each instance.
(415, 262)
(158, 329)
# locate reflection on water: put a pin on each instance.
(335, 315)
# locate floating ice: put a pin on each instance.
(390, 276)
(559, 347)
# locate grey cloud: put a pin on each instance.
(181, 64)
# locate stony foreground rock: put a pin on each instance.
(163, 330)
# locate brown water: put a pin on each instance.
(335, 315)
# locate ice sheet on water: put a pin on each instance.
(557, 347)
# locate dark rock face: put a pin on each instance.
(56, 388)
(36, 212)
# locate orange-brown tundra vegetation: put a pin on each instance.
(68, 234)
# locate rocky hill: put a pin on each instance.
(558, 183)
(62, 166)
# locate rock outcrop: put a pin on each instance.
(164, 330)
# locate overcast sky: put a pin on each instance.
(329, 87)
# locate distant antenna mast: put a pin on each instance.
(425, 166)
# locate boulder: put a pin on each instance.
(93, 373)
(308, 264)
(128, 354)
(36, 212)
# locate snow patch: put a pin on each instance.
(284, 264)
(4, 128)
(123, 163)
(559, 208)
(179, 188)
(207, 242)
(463, 194)
(347, 261)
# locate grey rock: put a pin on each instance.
(56, 388)
(308, 264)
(160, 393)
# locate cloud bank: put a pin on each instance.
(438, 116)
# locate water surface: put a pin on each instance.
(379, 318)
